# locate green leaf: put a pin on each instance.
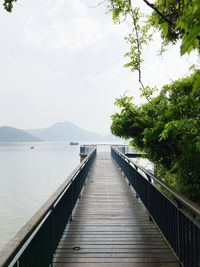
(196, 86)
(189, 40)
(165, 28)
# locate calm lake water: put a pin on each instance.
(28, 177)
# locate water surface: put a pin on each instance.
(28, 177)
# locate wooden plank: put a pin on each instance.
(116, 264)
(130, 255)
(110, 226)
(111, 242)
(109, 247)
(110, 234)
(113, 238)
(135, 249)
(160, 256)
(110, 259)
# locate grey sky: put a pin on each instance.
(62, 60)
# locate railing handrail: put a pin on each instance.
(179, 197)
(15, 244)
(105, 144)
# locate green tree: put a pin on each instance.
(167, 127)
(8, 5)
(174, 19)
(168, 130)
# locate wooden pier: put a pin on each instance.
(106, 223)
(110, 226)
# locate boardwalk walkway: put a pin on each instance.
(110, 226)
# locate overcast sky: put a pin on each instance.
(63, 60)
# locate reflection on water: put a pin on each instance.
(28, 177)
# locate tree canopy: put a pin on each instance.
(167, 127)
(8, 5)
(174, 19)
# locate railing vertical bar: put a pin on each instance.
(197, 246)
(192, 243)
(181, 237)
(175, 231)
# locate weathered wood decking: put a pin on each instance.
(111, 227)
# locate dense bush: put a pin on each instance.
(167, 128)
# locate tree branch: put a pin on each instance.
(99, 4)
(158, 12)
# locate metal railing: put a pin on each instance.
(86, 149)
(35, 244)
(124, 149)
(129, 151)
(172, 216)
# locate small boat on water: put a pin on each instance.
(32, 147)
(73, 143)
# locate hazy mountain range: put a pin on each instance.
(63, 131)
(10, 134)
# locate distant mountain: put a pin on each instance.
(67, 131)
(10, 134)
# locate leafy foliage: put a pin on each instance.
(168, 130)
(8, 5)
(184, 22)
(174, 19)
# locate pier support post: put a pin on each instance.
(82, 157)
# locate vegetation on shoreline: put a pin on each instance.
(167, 127)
